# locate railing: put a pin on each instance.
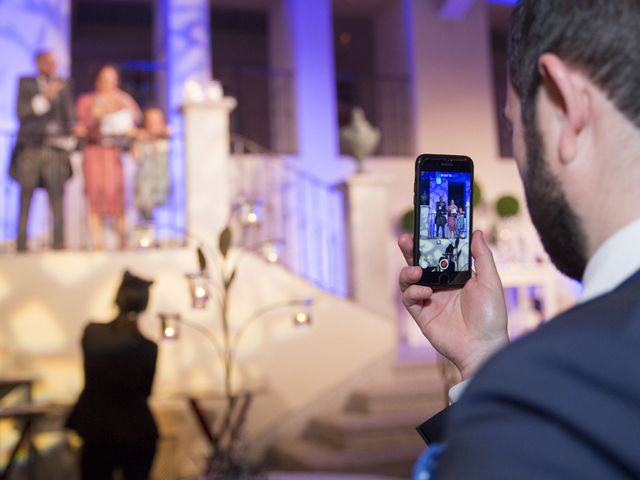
(299, 216)
(302, 215)
(266, 108)
(386, 101)
(169, 219)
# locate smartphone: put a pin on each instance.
(443, 218)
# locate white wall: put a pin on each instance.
(453, 93)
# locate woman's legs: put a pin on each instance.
(95, 231)
(122, 236)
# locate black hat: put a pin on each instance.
(130, 280)
(133, 293)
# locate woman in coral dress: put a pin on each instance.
(109, 115)
(452, 212)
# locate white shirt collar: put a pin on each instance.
(616, 260)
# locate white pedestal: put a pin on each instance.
(207, 167)
(369, 234)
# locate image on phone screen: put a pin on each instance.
(444, 212)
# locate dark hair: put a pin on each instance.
(41, 53)
(602, 37)
(103, 67)
(133, 293)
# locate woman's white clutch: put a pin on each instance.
(117, 123)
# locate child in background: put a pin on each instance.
(151, 150)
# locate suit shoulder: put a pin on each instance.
(590, 347)
(551, 389)
(27, 82)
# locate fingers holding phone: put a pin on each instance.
(466, 325)
(465, 317)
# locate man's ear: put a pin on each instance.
(567, 90)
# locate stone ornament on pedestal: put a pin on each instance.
(360, 139)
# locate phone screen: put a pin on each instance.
(444, 201)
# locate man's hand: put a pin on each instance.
(54, 87)
(465, 325)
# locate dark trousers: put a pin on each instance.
(101, 459)
(42, 167)
(440, 226)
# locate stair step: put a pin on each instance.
(360, 432)
(394, 459)
(425, 397)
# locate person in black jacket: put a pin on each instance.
(41, 154)
(441, 217)
(564, 401)
(112, 415)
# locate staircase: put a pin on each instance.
(373, 433)
(299, 213)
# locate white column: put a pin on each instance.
(311, 35)
(371, 281)
(207, 166)
(182, 45)
(453, 91)
(183, 42)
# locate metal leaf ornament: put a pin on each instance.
(202, 260)
(230, 280)
(224, 242)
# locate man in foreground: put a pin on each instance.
(563, 402)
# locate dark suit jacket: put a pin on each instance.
(561, 403)
(119, 366)
(34, 128)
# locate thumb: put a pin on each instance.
(485, 265)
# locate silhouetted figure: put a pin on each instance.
(112, 415)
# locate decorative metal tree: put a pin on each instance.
(225, 461)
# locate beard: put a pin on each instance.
(558, 225)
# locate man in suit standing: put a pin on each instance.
(441, 217)
(564, 401)
(41, 156)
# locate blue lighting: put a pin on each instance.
(505, 2)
